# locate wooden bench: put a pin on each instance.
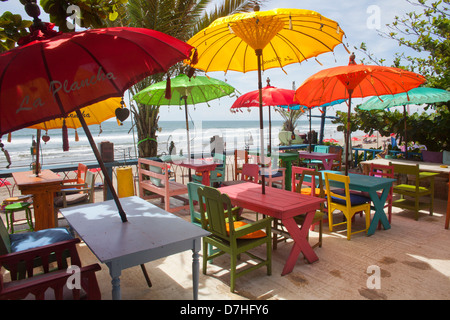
(154, 177)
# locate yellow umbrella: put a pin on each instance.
(93, 114)
(278, 37)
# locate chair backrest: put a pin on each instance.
(381, 170)
(221, 159)
(341, 179)
(81, 173)
(250, 172)
(90, 182)
(296, 175)
(321, 149)
(196, 217)
(219, 207)
(407, 169)
(240, 157)
(315, 182)
(337, 164)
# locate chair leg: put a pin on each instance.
(349, 228)
(233, 272)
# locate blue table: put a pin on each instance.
(371, 185)
(150, 233)
(366, 151)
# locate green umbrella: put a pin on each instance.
(193, 90)
(414, 96)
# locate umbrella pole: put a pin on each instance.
(261, 124)
(347, 138)
(406, 140)
(310, 133)
(38, 146)
(270, 133)
(187, 132)
(102, 166)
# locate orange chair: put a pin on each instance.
(239, 156)
(77, 183)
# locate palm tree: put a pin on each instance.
(180, 19)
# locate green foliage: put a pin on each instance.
(94, 13)
(12, 28)
(426, 31)
(290, 118)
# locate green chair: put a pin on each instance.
(412, 193)
(12, 208)
(232, 238)
(217, 176)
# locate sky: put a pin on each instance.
(360, 20)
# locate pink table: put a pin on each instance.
(326, 158)
(283, 205)
(199, 165)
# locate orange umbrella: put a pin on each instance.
(354, 80)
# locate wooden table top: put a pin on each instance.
(275, 202)
(28, 178)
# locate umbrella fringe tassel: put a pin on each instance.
(168, 94)
(65, 137)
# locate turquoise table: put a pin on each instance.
(371, 185)
(287, 158)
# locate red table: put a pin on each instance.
(199, 165)
(283, 205)
(326, 158)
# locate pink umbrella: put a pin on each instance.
(356, 139)
(330, 140)
(271, 96)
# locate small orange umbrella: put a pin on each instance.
(354, 80)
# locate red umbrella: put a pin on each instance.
(46, 79)
(354, 80)
(271, 96)
(356, 139)
(330, 140)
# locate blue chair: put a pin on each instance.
(11, 243)
(217, 175)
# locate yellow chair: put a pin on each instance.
(343, 200)
(412, 193)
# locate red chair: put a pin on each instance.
(386, 172)
(50, 284)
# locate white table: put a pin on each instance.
(150, 233)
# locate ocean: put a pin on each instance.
(236, 134)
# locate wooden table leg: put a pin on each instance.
(301, 244)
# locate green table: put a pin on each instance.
(287, 158)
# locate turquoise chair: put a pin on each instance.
(320, 149)
(217, 175)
